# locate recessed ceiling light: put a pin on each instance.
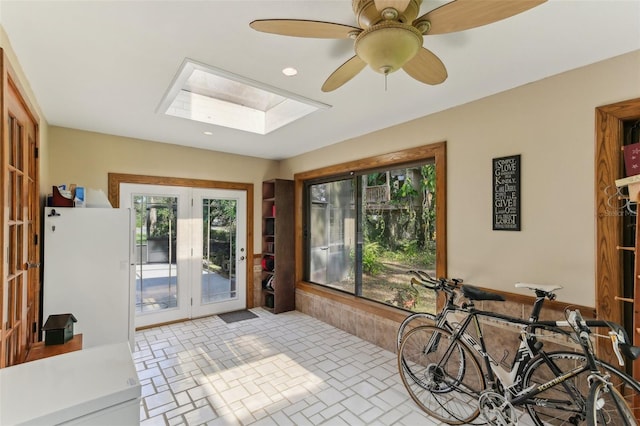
(208, 133)
(289, 71)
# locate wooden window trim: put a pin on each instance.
(436, 151)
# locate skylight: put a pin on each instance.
(211, 95)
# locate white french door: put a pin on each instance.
(219, 252)
(190, 251)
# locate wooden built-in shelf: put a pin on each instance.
(278, 245)
(40, 350)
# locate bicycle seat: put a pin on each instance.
(474, 293)
(542, 287)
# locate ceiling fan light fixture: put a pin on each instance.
(387, 46)
(386, 42)
(368, 13)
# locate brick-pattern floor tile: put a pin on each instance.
(285, 370)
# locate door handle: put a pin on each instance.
(31, 265)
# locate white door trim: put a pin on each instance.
(189, 250)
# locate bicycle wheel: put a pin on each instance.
(567, 402)
(411, 322)
(606, 406)
(442, 375)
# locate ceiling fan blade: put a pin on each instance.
(304, 28)
(344, 73)
(426, 67)
(460, 15)
(399, 5)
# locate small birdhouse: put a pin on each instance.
(58, 329)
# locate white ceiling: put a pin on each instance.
(104, 66)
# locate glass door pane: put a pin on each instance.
(399, 234)
(332, 234)
(162, 250)
(218, 251)
(155, 253)
(219, 220)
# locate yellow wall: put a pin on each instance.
(85, 158)
(550, 123)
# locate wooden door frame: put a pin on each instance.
(115, 179)
(609, 167)
(31, 309)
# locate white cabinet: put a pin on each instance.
(88, 271)
(95, 386)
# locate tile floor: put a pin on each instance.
(286, 369)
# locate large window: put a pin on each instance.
(364, 229)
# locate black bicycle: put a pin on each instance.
(440, 365)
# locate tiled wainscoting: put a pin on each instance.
(362, 321)
(359, 322)
(502, 339)
(257, 282)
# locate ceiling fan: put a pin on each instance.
(390, 35)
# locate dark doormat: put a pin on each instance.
(235, 316)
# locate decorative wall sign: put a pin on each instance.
(506, 193)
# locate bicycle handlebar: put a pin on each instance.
(422, 275)
(617, 334)
(425, 280)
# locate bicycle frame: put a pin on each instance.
(506, 382)
(526, 349)
(527, 396)
(504, 387)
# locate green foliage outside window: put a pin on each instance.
(394, 214)
(165, 221)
